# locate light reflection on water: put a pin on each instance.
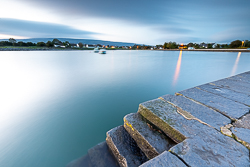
(178, 68)
(236, 64)
(56, 105)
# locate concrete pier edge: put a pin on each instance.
(208, 125)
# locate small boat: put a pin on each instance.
(102, 51)
(96, 50)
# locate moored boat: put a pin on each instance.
(102, 51)
(96, 50)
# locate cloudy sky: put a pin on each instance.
(138, 21)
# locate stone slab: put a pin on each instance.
(80, 162)
(238, 86)
(150, 141)
(244, 77)
(124, 148)
(241, 130)
(242, 133)
(229, 108)
(165, 117)
(101, 156)
(98, 156)
(244, 122)
(226, 93)
(165, 159)
(201, 112)
(213, 150)
(202, 145)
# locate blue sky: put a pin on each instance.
(138, 21)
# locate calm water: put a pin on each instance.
(56, 105)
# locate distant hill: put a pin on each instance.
(84, 41)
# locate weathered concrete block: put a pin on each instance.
(80, 162)
(227, 107)
(244, 77)
(241, 130)
(213, 149)
(244, 122)
(98, 156)
(164, 159)
(151, 142)
(238, 86)
(124, 148)
(242, 133)
(165, 117)
(226, 93)
(199, 144)
(101, 156)
(201, 112)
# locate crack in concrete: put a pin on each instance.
(244, 143)
(187, 115)
(215, 109)
(179, 158)
(225, 130)
(243, 116)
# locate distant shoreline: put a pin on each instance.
(40, 49)
(208, 50)
(86, 49)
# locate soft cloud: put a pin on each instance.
(231, 34)
(140, 21)
(40, 29)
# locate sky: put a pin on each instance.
(136, 21)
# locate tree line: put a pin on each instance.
(166, 45)
(13, 42)
(233, 44)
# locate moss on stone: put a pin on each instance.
(164, 126)
(246, 144)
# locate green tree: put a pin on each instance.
(80, 45)
(217, 46)
(210, 46)
(20, 43)
(190, 44)
(170, 45)
(56, 41)
(235, 44)
(40, 44)
(13, 41)
(66, 44)
(224, 46)
(49, 44)
(31, 44)
(134, 47)
(5, 43)
(247, 43)
(159, 46)
(196, 46)
(165, 45)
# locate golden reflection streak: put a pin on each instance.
(236, 64)
(178, 67)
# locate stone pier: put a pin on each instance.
(208, 125)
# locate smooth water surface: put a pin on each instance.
(55, 105)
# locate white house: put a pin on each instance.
(59, 46)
